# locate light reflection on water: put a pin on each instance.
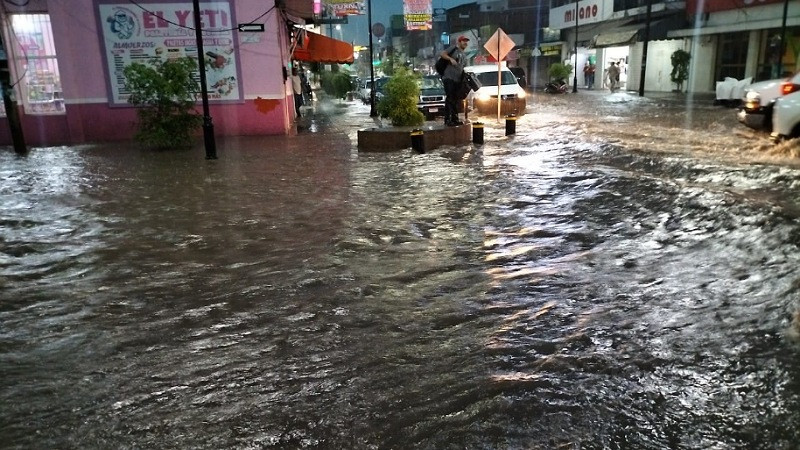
(532, 293)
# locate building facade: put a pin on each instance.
(66, 60)
(758, 39)
(725, 38)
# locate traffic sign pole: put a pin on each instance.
(498, 46)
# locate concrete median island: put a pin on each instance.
(398, 138)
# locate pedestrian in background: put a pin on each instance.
(306, 87)
(613, 76)
(586, 75)
(452, 78)
(297, 88)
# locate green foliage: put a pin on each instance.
(326, 82)
(559, 72)
(680, 67)
(165, 93)
(335, 84)
(390, 65)
(400, 102)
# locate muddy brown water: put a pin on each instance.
(547, 290)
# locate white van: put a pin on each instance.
(484, 100)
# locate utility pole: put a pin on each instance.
(208, 125)
(12, 113)
(575, 80)
(644, 51)
(372, 112)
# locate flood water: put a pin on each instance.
(539, 292)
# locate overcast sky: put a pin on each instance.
(356, 30)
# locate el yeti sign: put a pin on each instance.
(164, 29)
(589, 11)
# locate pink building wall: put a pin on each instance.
(267, 107)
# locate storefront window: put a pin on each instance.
(36, 64)
(622, 5)
(732, 55)
(777, 61)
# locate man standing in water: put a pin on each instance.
(452, 79)
(613, 76)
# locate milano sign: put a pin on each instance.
(589, 11)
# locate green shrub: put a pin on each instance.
(680, 67)
(335, 84)
(400, 102)
(164, 92)
(341, 85)
(559, 72)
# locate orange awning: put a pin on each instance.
(313, 47)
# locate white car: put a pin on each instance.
(484, 100)
(364, 90)
(786, 114)
(758, 102)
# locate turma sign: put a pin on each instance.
(589, 11)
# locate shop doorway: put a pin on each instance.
(618, 55)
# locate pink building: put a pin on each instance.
(66, 59)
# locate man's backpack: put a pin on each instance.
(441, 63)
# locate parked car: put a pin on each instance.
(786, 113)
(431, 96)
(484, 100)
(758, 103)
(364, 90)
(380, 88)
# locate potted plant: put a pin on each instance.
(559, 72)
(165, 92)
(680, 68)
(400, 102)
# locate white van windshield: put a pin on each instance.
(490, 78)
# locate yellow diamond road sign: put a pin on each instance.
(499, 44)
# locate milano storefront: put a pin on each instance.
(613, 31)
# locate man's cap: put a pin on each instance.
(463, 38)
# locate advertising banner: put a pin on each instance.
(418, 14)
(164, 29)
(345, 8)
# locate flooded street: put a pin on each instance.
(558, 289)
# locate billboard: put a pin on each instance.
(164, 29)
(418, 14)
(342, 8)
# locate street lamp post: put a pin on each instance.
(372, 112)
(575, 80)
(644, 50)
(208, 125)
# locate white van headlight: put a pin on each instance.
(483, 97)
(521, 93)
